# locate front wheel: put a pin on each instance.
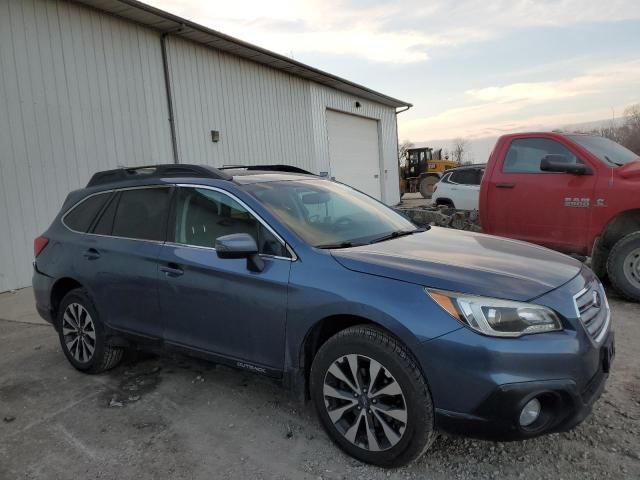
(372, 398)
(427, 184)
(623, 266)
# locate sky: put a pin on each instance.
(472, 69)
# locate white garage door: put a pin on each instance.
(354, 153)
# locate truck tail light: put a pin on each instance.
(39, 244)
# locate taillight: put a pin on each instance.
(39, 244)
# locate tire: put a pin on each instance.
(445, 203)
(89, 353)
(623, 266)
(408, 434)
(426, 186)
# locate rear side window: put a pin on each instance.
(142, 214)
(81, 217)
(138, 213)
(467, 176)
(525, 154)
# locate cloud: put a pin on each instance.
(398, 32)
(495, 110)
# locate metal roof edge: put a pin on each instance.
(165, 22)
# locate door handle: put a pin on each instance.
(91, 254)
(172, 270)
(505, 185)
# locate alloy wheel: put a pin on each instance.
(365, 402)
(79, 332)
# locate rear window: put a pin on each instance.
(81, 217)
(142, 214)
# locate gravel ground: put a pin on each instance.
(166, 417)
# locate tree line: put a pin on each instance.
(625, 132)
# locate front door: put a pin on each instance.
(215, 305)
(550, 209)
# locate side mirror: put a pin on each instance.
(561, 163)
(240, 245)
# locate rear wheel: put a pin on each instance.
(427, 184)
(371, 397)
(623, 266)
(82, 335)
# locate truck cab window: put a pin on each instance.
(524, 155)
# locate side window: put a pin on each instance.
(524, 154)
(81, 217)
(203, 215)
(138, 213)
(467, 176)
(104, 226)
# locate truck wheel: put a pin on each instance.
(82, 335)
(623, 266)
(371, 397)
(426, 185)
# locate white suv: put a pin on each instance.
(459, 187)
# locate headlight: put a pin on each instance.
(495, 317)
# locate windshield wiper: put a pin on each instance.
(606, 157)
(396, 234)
(339, 245)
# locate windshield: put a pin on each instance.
(610, 152)
(328, 214)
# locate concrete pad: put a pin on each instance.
(175, 418)
(19, 306)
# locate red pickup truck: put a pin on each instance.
(576, 193)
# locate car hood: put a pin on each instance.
(630, 170)
(464, 262)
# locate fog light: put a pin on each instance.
(530, 412)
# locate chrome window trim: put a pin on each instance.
(605, 329)
(293, 258)
(212, 249)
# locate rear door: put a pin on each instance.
(550, 209)
(217, 305)
(354, 152)
(118, 260)
(465, 188)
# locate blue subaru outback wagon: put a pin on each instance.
(391, 330)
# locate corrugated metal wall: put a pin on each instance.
(82, 91)
(79, 92)
(263, 115)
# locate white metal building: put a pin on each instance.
(89, 85)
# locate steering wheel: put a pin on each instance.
(344, 221)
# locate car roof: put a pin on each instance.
(169, 173)
(463, 167)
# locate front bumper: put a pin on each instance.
(564, 405)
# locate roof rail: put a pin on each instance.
(269, 168)
(156, 171)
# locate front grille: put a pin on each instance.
(593, 310)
